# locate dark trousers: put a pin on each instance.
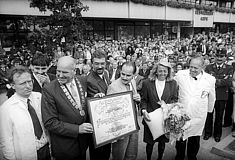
(102, 152)
(82, 157)
(193, 146)
(149, 150)
(219, 111)
(44, 153)
(228, 110)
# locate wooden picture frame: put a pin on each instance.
(113, 117)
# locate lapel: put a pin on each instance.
(110, 73)
(63, 95)
(154, 90)
(165, 90)
(99, 81)
(36, 86)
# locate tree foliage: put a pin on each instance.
(63, 27)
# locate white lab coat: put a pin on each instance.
(198, 98)
(17, 138)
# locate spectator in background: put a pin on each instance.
(79, 66)
(144, 71)
(129, 51)
(114, 72)
(86, 69)
(39, 67)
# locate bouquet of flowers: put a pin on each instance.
(176, 120)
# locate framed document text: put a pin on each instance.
(112, 117)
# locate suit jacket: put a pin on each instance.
(223, 79)
(97, 85)
(62, 121)
(117, 74)
(17, 136)
(36, 86)
(197, 98)
(150, 99)
(144, 74)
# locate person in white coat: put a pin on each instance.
(22, 135)
(197, 94)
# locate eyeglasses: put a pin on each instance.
(30, 82)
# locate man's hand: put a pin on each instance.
(44, 79)
(100, 95)
(146, 115)
(85, 128)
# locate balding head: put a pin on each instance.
(66, 69)
(67, 61)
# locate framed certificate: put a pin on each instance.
(112, 117)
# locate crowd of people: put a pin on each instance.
(197, 71)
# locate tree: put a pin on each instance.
(63, 27)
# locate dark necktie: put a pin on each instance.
(128, 87)
(104, 80)
(36, 124)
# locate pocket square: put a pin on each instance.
(204, 94)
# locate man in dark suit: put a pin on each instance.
(223, 74)
(64, 112)
(144, 71)
(97, 85)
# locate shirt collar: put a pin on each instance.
(199, 76)
(22, 99)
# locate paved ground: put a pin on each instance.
(204, 152)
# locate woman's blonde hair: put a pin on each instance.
(153, 72)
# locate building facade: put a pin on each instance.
(125, 19)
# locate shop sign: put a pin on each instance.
(203, 18)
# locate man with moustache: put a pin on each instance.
(22, 135)
(97, 85)
(64, 112)
(127, 147)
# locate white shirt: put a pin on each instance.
(113, 75)
(17, 138)
(160, 85)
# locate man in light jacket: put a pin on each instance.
(197, 94)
